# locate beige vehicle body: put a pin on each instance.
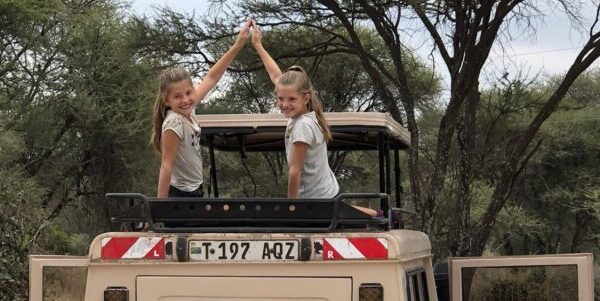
(317, 278)
(276, 249)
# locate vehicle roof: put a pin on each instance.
(265, 132)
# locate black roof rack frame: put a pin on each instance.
(244, 215)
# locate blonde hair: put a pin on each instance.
(297, 77)
(166, 78)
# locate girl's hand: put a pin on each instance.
(244, 33)
(268, 61)
(216, 71)
(256, 35)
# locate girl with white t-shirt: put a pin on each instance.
(306, 137)
(175, 131)
(307, 132)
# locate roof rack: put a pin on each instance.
(219, 215)
(375, 131)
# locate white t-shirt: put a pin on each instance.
(187, 169)
(317, 179)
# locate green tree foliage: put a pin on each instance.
(560, 187)
(553, 207)
(20, 216)
(77, 80)
(444, 166)
(75, 101)
(338, 76)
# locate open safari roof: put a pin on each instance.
(350, 130)
(265, 132)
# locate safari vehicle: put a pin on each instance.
(276, 248)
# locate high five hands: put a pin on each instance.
(250, 27)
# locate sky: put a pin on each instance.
(145, 6)
(551, 51)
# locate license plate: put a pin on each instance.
(273, 250)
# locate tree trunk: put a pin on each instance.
(460, 236)
(515, 157)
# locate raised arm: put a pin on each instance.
(268, 61)
(218, 69)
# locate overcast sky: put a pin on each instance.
(550, 52)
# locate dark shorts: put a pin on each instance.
(175, 192)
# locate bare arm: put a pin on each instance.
(295, 170)
(218, 69)
(169, 145)
(270, 64)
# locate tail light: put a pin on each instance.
(116, 293)
(370, 292)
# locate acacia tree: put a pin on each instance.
(559, 185)
(74, 104)
(463, 33)
(183, 39)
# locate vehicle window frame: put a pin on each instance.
(583, 262)
(37, 263)
(417, 287)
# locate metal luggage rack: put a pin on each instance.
(204, 215)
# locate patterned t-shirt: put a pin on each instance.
(317, 179)
(187, 169)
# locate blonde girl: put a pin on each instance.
(306, 137)
(307, 132)
(175, 130)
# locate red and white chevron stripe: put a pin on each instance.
(133, 248)
(355, 248)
